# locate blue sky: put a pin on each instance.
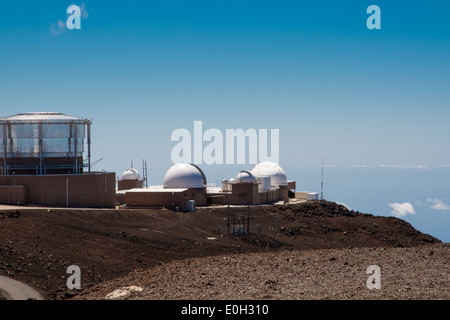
(313, 70)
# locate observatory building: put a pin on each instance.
(130, 179)
(43, 143)
(265, 183)
(185, 187)
(42, 162)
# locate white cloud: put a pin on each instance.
(401, 209)
(57, 28)
(84, 12)
(438, 204)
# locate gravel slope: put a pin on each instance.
(406, 273)
(37, 245)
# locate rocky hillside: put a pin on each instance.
(38, 244)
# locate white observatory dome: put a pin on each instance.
(130, 174)
(184, 175)
(273, 170)
(245, 176)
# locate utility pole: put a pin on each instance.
(228, 219)
(248, 219)
(274, 232)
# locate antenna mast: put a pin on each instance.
(144, 172)
(321, 184)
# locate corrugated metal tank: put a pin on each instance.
(43, 135)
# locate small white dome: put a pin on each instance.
(184, 175)
(130, 174)
(276, 173)
(245, 176)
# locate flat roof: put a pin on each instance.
(43, 117)
(156, 190)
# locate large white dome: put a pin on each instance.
(130, 174)
(245, 176)
(273, 170)
(184, 175)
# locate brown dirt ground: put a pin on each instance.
(37, 245)
(418, 273)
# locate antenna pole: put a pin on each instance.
(144, 172)
(321, 184)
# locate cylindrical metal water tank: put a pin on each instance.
(43, 142)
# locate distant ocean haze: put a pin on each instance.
(387, 191)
